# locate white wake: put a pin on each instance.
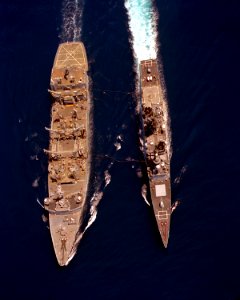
(71, 20)
(143, 27)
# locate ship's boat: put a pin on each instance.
(68, 153)
(156, 144)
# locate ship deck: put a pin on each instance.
(68, 169)
(156, 142)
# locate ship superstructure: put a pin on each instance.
(68, 153)
(156, 144)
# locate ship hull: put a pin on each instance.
(156, 144)
(68, 153)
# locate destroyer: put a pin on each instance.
(68, 149)
(156, 145)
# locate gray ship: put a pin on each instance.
(68, 153)
(156, 145)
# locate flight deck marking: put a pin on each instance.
(71, 55)
(162, 215)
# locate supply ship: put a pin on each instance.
(156, 144)
(68, 153)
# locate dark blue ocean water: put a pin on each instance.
(121, 256)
